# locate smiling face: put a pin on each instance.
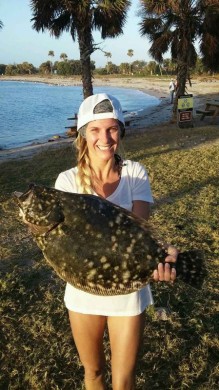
(102, 138)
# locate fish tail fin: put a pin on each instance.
(191, 268)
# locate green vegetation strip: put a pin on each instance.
(37, 350)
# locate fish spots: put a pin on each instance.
(106, 265)
(88, 228)
(92, 274)
(114, 247)
(91, 285)
(124, 265)
(119, 218)
(103, 259)
(130, 248)
(126, 276)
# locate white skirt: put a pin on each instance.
(117, 305)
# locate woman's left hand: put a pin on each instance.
(165, 272)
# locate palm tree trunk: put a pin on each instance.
(86, 49)
(182, 73)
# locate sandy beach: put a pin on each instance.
(202, 90)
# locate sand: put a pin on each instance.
(202, 90)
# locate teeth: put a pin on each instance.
(103, 147)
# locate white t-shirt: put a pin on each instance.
(172, 86)
(134, 185)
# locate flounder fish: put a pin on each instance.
(96, 246)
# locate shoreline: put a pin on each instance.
(150, 117)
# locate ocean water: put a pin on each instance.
(33, 112)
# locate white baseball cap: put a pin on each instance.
(86, 110)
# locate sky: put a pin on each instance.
(19, 42)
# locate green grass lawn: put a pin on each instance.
(37, 349)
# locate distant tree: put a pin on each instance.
(199, 67)
(138, 67)
(45, 67)
(130, 53)
(80, 18)
(178, 25)
(11, 70)
(101, 71)
(169, 66)
(112, 68)
(51, 54)
(63, 56)
(1, 24)
(2, 68)
(71, 67)
(152, 67)
(107, 55)
(25, 68)
(124, 68)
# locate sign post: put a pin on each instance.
(185, 111)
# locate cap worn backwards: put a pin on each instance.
(86, 111)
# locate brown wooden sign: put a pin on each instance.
(185, 116)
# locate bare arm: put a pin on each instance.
(141, 209)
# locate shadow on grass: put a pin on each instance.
(186, 139)
(191, 189)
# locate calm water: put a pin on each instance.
(33, 112)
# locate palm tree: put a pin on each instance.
(63, 56)
(51, 54)
(130, 54)
(107, 55)
(80, 18)
(178, 25)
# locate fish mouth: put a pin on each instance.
(41, 230)
(23, 198)
(39, 223)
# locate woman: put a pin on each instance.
(102, 172)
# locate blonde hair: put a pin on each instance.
(84, 175)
